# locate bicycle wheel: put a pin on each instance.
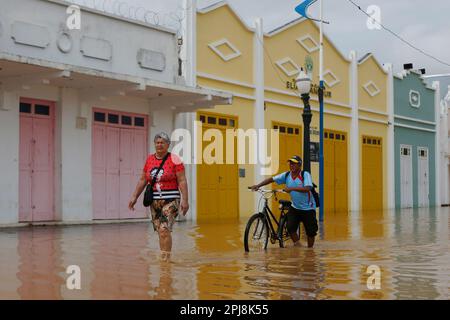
(283, 235)
(256, 233)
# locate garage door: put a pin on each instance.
(290, 144)
(217, 184)
(36, 160)
(372, 173)
(335, 167)
(119, 151)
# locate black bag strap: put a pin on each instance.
(152, 184)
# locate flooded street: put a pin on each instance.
(120, 261)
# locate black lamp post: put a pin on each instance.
(304, 86)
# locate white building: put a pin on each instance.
(79, 108)
(444, 133)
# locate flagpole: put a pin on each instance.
(321, 169)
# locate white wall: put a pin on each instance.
(9, 160)
(73, 155)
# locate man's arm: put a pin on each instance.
(299, 189)
(261, 184)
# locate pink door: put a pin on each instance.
(36, 161)
(119, 150)
(99, 171)
(112, 172)
(139, 157)
(126, 172)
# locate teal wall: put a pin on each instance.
(401, 98)
(414, 137)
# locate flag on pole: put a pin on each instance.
(303, 7)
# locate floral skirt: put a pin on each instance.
(163, 213)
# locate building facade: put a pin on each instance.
(79, 109)
(259, 68)
(415, 141)
(443, 81)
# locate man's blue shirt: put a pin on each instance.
(300, 200)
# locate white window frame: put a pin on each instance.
(414, 105)
(214, 47)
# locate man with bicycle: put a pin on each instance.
(303, 206)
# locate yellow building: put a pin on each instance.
(259, 69)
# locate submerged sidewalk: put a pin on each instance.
(120, 261)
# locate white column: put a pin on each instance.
(189, 52)
(9, 158)
(445, 174)
(354, 134)
(76, 158)
(390, 138)
(189, 56)
(258, 78)
(437, 156)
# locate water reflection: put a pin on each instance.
(120, 261)
(40, 263)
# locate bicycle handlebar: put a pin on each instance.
(265, 191)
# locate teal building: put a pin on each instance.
(414, 141)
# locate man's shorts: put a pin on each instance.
(308, 217)
(163, 213)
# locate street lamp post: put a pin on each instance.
(304, 86)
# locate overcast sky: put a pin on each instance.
(424, 23)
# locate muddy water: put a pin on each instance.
(120, 261)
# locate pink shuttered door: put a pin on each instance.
(126, 172)
(36, 161)
(139, 156)
(99, 171)
(118, 155)
(112, 173)
(25, 167)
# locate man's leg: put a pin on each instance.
(310, 223)
(311, 241)
(293, 223)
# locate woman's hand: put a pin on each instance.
(254, 188)
(184, 207)
(132, 203)
(288, 190)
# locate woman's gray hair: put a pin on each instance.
(162, 135)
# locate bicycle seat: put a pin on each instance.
(284, 203)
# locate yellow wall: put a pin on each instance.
(284, 105)
(284, 44)
(243, 109)
(376, 130)
(216, 25)
(369, 70)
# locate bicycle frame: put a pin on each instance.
(268, 214)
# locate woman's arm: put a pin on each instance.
(137, 192)
(182, 185)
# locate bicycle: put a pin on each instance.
(260, 225)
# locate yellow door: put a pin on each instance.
(217, 184)
(372, 173)
(335, 171)
(328, 157)
(290, 144)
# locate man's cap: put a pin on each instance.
(295, 159)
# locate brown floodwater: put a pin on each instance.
(120, 261)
